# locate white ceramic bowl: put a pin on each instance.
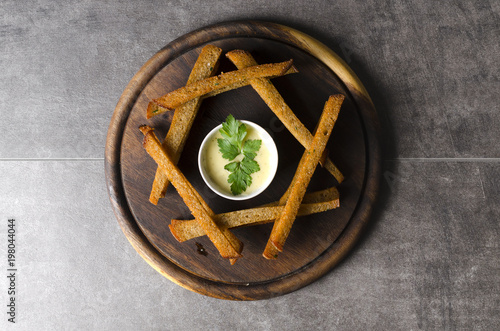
(273, 164)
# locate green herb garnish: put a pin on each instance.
(231, 146)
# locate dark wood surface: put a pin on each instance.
(317, 242)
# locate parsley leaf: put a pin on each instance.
(251, 148)
(239, 180)
(249, 166)
(228, 150)
(232, 145)
(231, 167)
(234, 132)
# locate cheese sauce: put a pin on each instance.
(214, 163)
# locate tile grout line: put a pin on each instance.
(407, 159)
(51, 159)
(447, 159)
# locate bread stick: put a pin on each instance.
(313, 203)
(183, 118)
(307, 166)
(188, 194)
(221, 82)
(268, 92)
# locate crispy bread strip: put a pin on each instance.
(182, 95)
(188, 194)
(154, 108)
(183, 119)
(270, 250)
(235, 242)
(268, 92)
(313, 203)
(303, 175)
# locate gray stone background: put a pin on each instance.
(430, 259)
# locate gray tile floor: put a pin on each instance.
(429, 260)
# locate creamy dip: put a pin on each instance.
(214, 163)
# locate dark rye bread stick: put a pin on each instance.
(183, 119)
(270, 95)
(189, 195)
(182, 95)
(315, 202)
(303, 174)
(154, 108)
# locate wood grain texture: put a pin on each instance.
(317, 242)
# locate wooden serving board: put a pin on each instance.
(317, 242)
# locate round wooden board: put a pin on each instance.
(317, 242)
